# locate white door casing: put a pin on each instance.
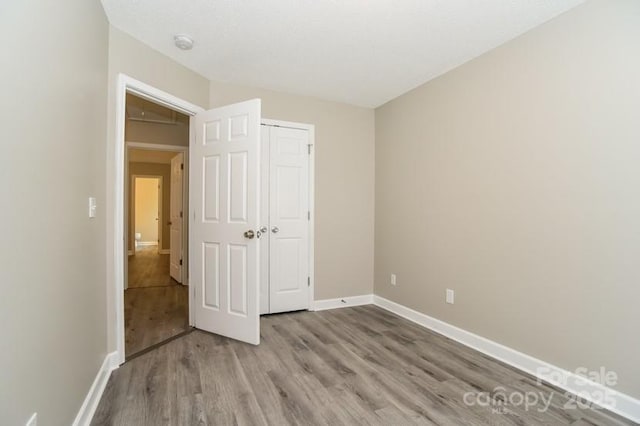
(176, 218)
(224, 181)
(289, 219)
(265, 154)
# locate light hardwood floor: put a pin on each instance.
(156, 306)
(346, 366)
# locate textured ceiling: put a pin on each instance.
(362, 52)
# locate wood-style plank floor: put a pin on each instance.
(148, 268)
(347, 366)
(155, 305)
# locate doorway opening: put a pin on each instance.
(156, 295)
(146, 213)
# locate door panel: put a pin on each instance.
(175, 219)
(237, 192)
(211, 204)
(211, 258)
(225, 171)
(289, 253)
(288, 220)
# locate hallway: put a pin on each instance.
(156, 306)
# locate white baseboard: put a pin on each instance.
(344, 302)
(146, 243)
(88, 409)
(164, 251)
(625, 405)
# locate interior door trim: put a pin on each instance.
(115, 200)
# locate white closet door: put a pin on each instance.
(288, 220)
(265, 153)
(225, 165)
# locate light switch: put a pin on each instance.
(450, 296)
(92, 207)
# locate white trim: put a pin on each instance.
(186, 223)
(311, 128)
(157, 96)
(342, 302)
(164, 251)
(288, 124)
(625, 405)
(88, 408)
(312, 210)
(33, 420)
(127, 84)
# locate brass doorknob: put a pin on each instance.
(249, 234)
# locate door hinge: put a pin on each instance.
(308, 281)
(180, 262)
(309, 147)
(181, 166)
(308, 215)
(180, 214)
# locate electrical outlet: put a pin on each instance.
(450, 296)
(33, 420)
(393, 279)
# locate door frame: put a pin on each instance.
(126, 84)
(312, 186)
(132, 195)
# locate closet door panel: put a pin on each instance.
(288, 220)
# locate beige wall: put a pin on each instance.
(344, 183)
(515, 181)
(152, 169)
(52, 309)
(135, 59)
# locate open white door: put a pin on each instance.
(224, 205)
(175, 218)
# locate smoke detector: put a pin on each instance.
(183, 41)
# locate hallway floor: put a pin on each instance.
(155, 305)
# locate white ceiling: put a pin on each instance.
(362, 52)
